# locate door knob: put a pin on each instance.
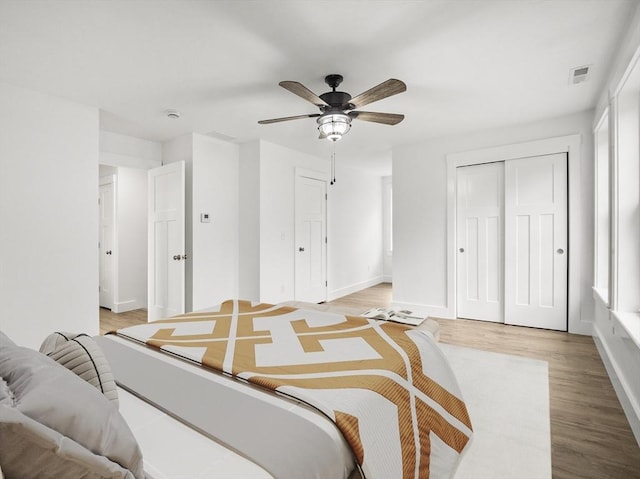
(461, 250)
(108, 252)
(176, 257)
(300, 248)
(560, 251)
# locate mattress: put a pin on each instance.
(253, 422)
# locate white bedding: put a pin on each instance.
(173, 450)
(251, 421)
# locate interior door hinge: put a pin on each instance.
(326, 197)
(326, 283)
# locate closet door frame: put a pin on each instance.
(571, 145)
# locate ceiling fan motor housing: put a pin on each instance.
(337, 99)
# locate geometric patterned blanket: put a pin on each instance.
(387, 387)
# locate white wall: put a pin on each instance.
(387, 228)
(267, 224)
(128, 151)
(249, 218)
(106, 170)
(214, 245)
(355, 232)
(49, 216)
(277, 195)
(420, 209)
(625, 52)
(248, 248)
(211, 187)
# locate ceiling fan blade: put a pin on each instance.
(386, 118)
(287, 118)
(303, 92)
(383, 90)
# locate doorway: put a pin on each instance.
(107, 222)
(310, 237)
(512, 241)
(122, 197)
(166, 241)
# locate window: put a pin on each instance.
(624, 181)
(602, 216)
(624, 188)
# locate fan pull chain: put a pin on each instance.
(333, 163)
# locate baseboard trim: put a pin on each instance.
(424, 309)
(353, 288)
(125, 306)
(629, 404)
(582, 327)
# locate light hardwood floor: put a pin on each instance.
(590, 436)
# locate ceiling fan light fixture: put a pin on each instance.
(334, 125)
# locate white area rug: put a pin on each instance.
(508, 401)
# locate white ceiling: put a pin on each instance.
(468, 65)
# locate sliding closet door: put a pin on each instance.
(536, 242)
(479, 213)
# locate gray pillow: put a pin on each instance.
(80, 354)
(45, 407)
(5, 341)
(32, 450)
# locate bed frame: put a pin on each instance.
(286, 438)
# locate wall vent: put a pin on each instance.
(579, 74)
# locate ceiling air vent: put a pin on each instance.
(173, 114)
(579, 74)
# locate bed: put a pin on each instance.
(301, 393)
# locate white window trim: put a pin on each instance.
(602, 292)
(621, 299)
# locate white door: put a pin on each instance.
(167, 257)
(310, 239)
(479, 213)
(106, 245)
(536, 247)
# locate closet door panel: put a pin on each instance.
(536, 242)
(480, 241)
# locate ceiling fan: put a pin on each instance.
(338, 108)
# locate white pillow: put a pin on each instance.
(80, 353)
